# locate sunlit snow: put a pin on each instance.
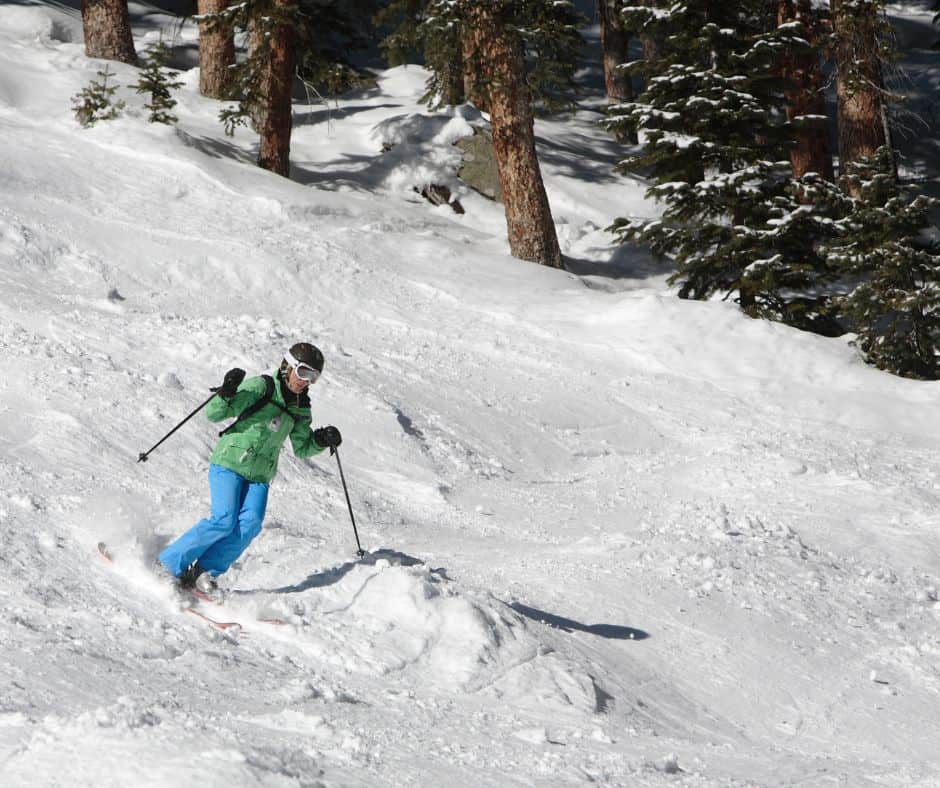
(614, 538)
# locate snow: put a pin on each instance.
(614, 537)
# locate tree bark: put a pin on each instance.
(859, 84)
(107, 29)
(614, 48)
(502, 65)
(614, 43)
(216, 52)
(274, 153)
(474, 87)
(811, 152)
(454, 92)
(256, 53)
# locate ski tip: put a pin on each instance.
(277, 622)
(105, 553)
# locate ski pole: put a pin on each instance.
(142, 457)
(333, 450)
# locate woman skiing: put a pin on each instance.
(267, 410)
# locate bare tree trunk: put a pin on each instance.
(811, 152)
(216, 51)
(107, 28)
(274, 154)
(502, 64)
(859, 85)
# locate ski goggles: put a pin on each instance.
(303, 371)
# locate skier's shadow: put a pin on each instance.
(611, 631)
(328, 577)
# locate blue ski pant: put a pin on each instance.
(238, 507)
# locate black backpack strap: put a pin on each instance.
(255, 406)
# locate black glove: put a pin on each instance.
(233, 379)
(327, 437)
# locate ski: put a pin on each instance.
(203, 597)
(230, 627)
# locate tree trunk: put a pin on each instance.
(216, 52)
(811, 152)
(454, 93)
(474, 87)
(274, 153)
(652, 44)
(107, 28)
(614, 43)
(257, 108)
(502, 65)
(859, 83)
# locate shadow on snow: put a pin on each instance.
(610, 631)
(328, 577)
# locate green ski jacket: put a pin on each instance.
(253, 447)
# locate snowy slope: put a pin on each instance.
(615, 538)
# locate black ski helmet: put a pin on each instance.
(305, 353)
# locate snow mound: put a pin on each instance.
(381, 619)
(26, 24)
(419, 149)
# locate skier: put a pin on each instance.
(245, 461)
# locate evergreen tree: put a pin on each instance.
(547, 31)
(615, 45)
(216, 49)
(896, 307)
(329, 34)
(862, 44)
(614, 50)
(715, 140)
(517, 53)
(156, 80)
(806, 99)
(310, 39)
(447, 54)
(400, 22)
(96, 102)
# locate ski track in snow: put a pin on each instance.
(616, 538)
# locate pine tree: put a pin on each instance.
(517, 54)
(614, 50)
(156, 80)
(862, 46)
(96, 102)
(806, 100)
(306, 38)
(328, 34)
(715, 144)
(402, 19)
(896, 307)
(439, 46)
(216, 49)
(546, 31)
